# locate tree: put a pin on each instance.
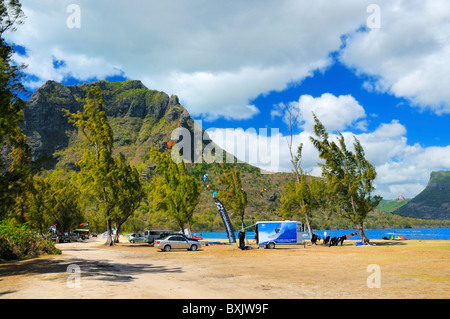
(54, 200)
(15, 167)
(11, 15)
(303, 195)
(349, 177)
(130, 192)
(97, 177)
(299, 196)
(234, 195)
(173, 191)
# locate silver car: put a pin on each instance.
(136, 238)
(177, 241)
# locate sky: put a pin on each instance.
(378, 71)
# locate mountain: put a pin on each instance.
(433, 202)
(140, 119)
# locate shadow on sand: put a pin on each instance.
(97, 270)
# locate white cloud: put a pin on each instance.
(401, 168)
(409, 55)
(219, 55)
(215, 55)
(335, 112)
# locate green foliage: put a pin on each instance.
(111, 186)
(234, 197)
(173, 191)
(18, 241)
(130, 191)
(349, 177)
(303, 196)
(54, 200)
(96, 177)
(15, 170)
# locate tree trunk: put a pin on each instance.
(189, 230)
(116, 236)
(309, 225)
(109, 239)
(364, 238)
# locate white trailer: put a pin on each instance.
(271, 233)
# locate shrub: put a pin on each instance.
(18, 241)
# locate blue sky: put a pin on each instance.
(379, 72)
(424, 127)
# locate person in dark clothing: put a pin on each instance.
(241, 240)
(333, 241)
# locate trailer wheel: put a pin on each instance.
(271, 245)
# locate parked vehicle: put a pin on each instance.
(151, 235)
(269, 233)
(177, 241)
(64, 237)
(71, 237)
(136, 238)
(190, 238)
(54, 237)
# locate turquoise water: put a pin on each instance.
(409, 233)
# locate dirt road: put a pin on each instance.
(410, 269)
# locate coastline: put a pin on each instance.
(433, 233)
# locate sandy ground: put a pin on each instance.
(407, 269)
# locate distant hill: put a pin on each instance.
(433, 202)
(388, 206)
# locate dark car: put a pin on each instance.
(69, 237)
(151, 235)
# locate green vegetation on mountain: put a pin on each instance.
(388, 206)
(433, 202)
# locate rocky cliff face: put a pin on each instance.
(140, 119)
(131, 107)
(433, 202)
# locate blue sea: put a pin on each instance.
(409, 233)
